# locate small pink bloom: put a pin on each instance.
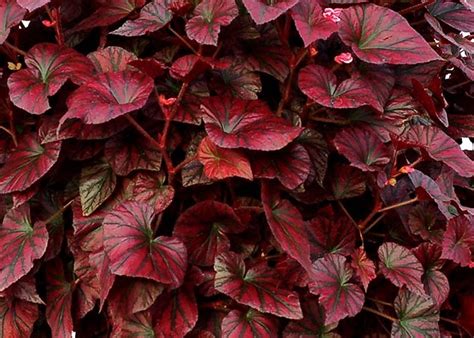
(313, 51)
(166, 102)
(344, 58)
(332, 14)
(48, 23)
(406, 169)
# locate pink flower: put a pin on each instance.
(332, 14)
(406, 169)
(344, 58)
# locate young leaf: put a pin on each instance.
(255, 287)
(401, 267)
(368, 30)
(209, 16)
(417, 316)
(133, 251)
(265, 11)
(49, 67)
(235, 123)
(249, 323)
(363, 267)
(220, 163)
(458, 240)
(153, 17)
(17, 317)
(11, 14)
(111, 59)
(22, 243)
(27, 163)
(330, 279)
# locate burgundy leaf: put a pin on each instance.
(458, 240)
(417, 316)
(461, 126)
(149, 66)
(21, 243)
(58, 300)
(17, 317)
(287, 225)
(331, 281)
(136, 325)
(24, 289)
(88, 288)
(265, 11)
(111, 95)
(380, 79)
(11, 14)
(362, 148)
(101, 262)
(401, 267)
(28, 163)
(318, 152)
(111, 59)
(310, 23)
(150, 188)
(348, 182)
(363, 267)
(256, 287)
(290, 165)
(249, 323)
(320, 84)
(49, 67)
(31, 5)
(153, 16)
(426, 221)
(368, 30)
(454, 14)
(235, 123)
(133, 251)
(204, 227)
(209, 16)
(220, 163)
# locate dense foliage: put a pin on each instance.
(236, 168)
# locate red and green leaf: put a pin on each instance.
(265, 11)
(364, 268)
(249, 323)
(17, 317)
(31, 5)
(453, 14)
(111, 59)
(458, 240)
(11, 14)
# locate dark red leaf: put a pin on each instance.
(24, 289)
(149, 66)
(401, 267)
(256, 287)
(151, 188)
(347, 182)
(248, 323)
(339, 297)
(380, 79)
(363, 267)
(235, 123)
(433, 103)
(101, 262)
(458, 240)
(111, 95)
(368, 30)
(426, 221)
(135, 252)
(461, 126)
(287, 225)
(111, 59)
(31, 5)
(28, 163)
(11, 14)
(88, 288)
(220, 163)
(310, 23)
(209, 16)
(454, 14)
(204, 227)
(21, 243)
(153, 16)
(265, 11)
(17, 317)
(136, 325)
(318, 152)
(49, 67)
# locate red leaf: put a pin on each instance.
(401, 267)
(17, 317)
(101, 263)
(426, 221)
(209, 16)
(11, 15)
(220, 163)
(58, 300)
(31, 5)
(320, 84)
(111, 95)
(454, 14)
(265, 11)
(21, 243)
(348, 182)
(290, 165)
(368, 30)
(331, 281)
(362, 148)
(318, 152)
(310, 23)
(153, 17)
(136, 325)
(458, 240)
(29, 162)
(151, 188)
(287, 225)
(248, 323)
(380, 80)
(111, 59)
(235, 123)
(133, 251)
(88, 288)
(363, 267)
(256, 287)
(204, 227)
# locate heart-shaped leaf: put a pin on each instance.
(11, 14)
(111, 95)
(22, 243)
(417, 316)
(111, 59)
(265, 11)
(137, 325)
(458, 240)
(368, 30)
(255, 287)
(151, 188)
(363, 267)
(330, 279)
(209, 16)
(401, 267)
(348, 182)
(453, 14)
(17, 317)
(248, 323)
(49, 67)
(28, 163)
(236, 123)
(153, 16)
(134, 251)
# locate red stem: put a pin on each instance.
(14, 48)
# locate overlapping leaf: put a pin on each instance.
(151, 188)
(249, 323)
(347, 182)
(17, 317)
(31, 5)
(111, 59)
(11, 14)
(318, 152)
(265, 11)
(134, 251)
(454, 14)
(458, 240)
(363, 267)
